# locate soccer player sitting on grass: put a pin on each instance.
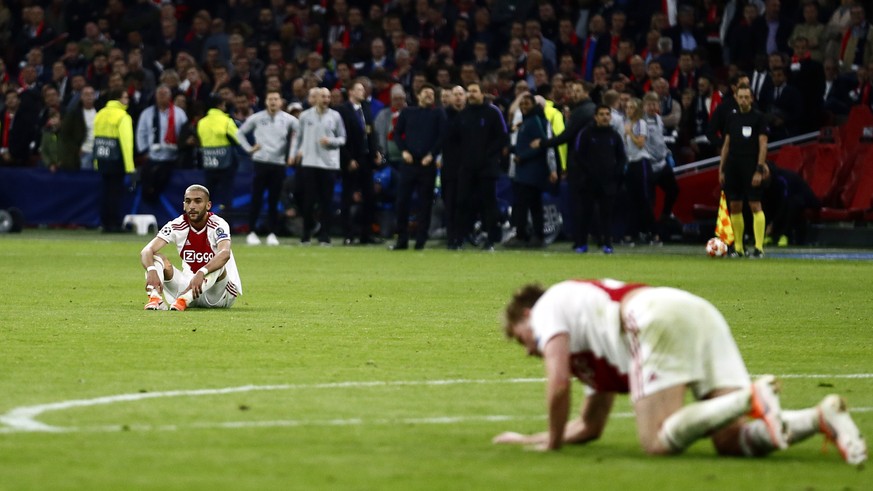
(209, 277)
(657, 343)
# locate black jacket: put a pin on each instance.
(360, 141)
(600, 157)
(420, 131)
(480, 134)
(72, 135)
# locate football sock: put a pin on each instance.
(697, 419)
(758, 226)
(738, 226)
(187, 296)
(755, 438)
(802, 424)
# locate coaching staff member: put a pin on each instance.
(480, 132)
(743, 168)
(419, 133)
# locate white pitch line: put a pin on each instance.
(23, 418)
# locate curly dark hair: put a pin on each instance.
(524, 298)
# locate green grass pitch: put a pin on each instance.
(364, 369)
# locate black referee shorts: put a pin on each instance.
(738, 180)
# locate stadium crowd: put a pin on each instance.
(511, 78)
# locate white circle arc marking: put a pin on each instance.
(23, 419)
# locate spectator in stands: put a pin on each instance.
(378, 58)
(157, 136)
(771, 30)
(856, 47)
(76, 137)
(594, 46)
(812, 30)
(671, 109)
(35, 33)
(707, 100)
(195, 87)
(685, 76)
(787, 109)
(836, 27)
(639, 79)
(741, 47)
(533, 31)
(685, 34)
(835, 95)
(94, 42)
(113, 155)
(51, 101)
(861, 93)
(808, 76)
(48, 145)
(18, 132)
(359, 157)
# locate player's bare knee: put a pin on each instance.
(166, 264)
(655, 447)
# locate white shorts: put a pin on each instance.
(677, 338)
(217, 296)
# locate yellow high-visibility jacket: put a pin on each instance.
(113, 139)
(556, 119)
(217, 133)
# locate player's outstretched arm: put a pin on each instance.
(587, 427)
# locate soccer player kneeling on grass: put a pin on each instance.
(209, 277)
(657, 343)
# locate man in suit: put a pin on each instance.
(835, 93)
(358, 157)
(764, 26)
(808, 76)
(685, 35)
(18, 132)
(787, 109)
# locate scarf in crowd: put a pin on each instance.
(170, 137)
(7, 122)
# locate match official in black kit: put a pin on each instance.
(743, 168)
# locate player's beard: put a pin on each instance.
(197, 218)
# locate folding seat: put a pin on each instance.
(791, 157)
(820, 173)
(855, 199)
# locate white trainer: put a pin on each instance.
(837, 425)
(765, 406)
(272, 240)
(252, 239)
